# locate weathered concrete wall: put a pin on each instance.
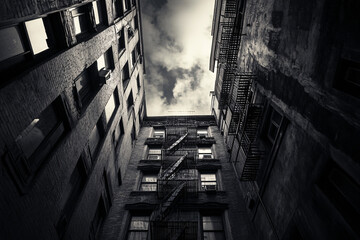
(294, 48)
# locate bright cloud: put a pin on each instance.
(177, 42)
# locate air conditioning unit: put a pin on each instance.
(207, 156)
(104, 75)
(209, 188)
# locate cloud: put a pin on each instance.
(177, 42)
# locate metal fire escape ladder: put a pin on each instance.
(165, 207)
(171, 198)
(248, 143)
(167, 173)
(175, 146)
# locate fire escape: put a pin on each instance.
(233, 90)
(176, 180)
(229, 48)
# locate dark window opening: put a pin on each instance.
(111, 107)
(130, 102)
(96, 135)
(125, 76)
(118, 133)
(36, 142)
(344, 193)
(27, 43)
(212, 227)
(118, 8)
(86, 86)
(121, 46)
(138, 82)
(347, 77)
(138, 228)
(71, 195)
(98, 219)
(106, 61)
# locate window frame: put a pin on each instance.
(125, 76)
(115, 98)
(201, 155)
(121, 42)
(23, 171)
(151, 152)
(202, 135)
(15, 63)
(160, 132)
(216, 181)
(152, 183)
(203, 230)
(117, 139)
(145, 231)
(74, 196)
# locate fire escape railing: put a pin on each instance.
(247, 135)
(230, 25)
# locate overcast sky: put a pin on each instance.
(177, 44)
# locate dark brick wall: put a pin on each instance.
(34, 214)
(237, 224)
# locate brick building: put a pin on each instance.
(72, 101)
(286, 100)
(179, 185)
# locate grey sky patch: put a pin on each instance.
(177, 42)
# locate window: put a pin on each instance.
(86, 86)
(212, 227)
(108, 192)
(347, 77)
(99, 12)
(205, 153)
(71, 195)
(138, 82)
(133, 59)
(139, 226)
(201, 133)
(154, 154)
(136, 23)
(25, 43)
(208, 182)
(126, 5)
(343, 192)
(95, 138)
(118, 133)
(111, 106)
(274, 125)
(159, 133)
(135, 55)
(121, 47)
(118, 8)
(35, 143)
(98, 219)
(130, 101)
(125, 76)
(133, 134)
(81, 19)
(106, 61)
(86, 17)
(148, 182)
